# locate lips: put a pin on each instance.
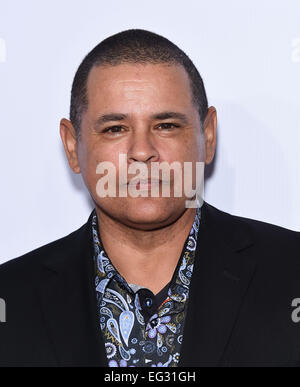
(144, 183)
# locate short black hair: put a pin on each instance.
(133, 46)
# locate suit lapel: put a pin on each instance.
(222, 273)
(69, 303)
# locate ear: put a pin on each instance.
(210, 132)
(68, 136)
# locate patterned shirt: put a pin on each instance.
(140, 329)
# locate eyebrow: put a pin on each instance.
(110, 117)
(157, 116)
(166, 115)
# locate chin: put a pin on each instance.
(143, 213)
(150, 212)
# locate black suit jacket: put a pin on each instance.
(245, 277)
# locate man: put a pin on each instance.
(147, 281)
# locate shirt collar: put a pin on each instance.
(179, 287)
(180, 283)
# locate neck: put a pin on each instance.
(145, 258)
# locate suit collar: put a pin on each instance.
(222, 274)
(69, 302)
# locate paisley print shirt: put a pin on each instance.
(138, 332)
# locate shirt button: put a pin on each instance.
(148, 302)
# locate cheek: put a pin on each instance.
(89, 158)
(188, 149)
(93, 168)
(196, 148)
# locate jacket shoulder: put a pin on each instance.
(28, 263)
(257, 227)
(268, 243)
(273, 250)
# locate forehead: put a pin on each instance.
(142, 84)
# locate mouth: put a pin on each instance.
(144, 184)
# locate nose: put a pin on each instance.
(142, 148)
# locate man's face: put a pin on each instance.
(127, 106)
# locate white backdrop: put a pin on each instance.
(248, 53)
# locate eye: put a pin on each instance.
(168, 126)
(113, 129)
